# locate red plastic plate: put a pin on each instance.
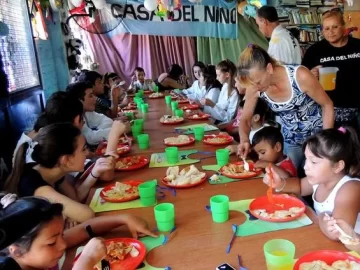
(202, 116)
(281, 202)
(254, 172)
(117, 200)
(129, 263)
(182, 101)
(161, 96)
(122, 149)
(228, 139)
(142, 163)
(165, 183)
(328, 256)
(190, 107)
(192, 140)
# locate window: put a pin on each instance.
(17, 48)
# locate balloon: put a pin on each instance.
(76, 3)
(99, 4)
(150, 5)
(240, 8)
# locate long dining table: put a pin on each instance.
(199, 243)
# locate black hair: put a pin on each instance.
(41, 122)
(108, 76)
(268, 13)
(77, 90)
(209, 74)
(30, 214)
(261, 108)
(53, 141)
(139, 69)
(335, 145)
(272, 135)
(175, 71)
(89, 76)
(199, 64)
(61, 107)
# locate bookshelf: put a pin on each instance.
(303, 18)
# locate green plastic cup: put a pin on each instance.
(156, 88)
(174, 105)
(143, 141)
(179, 113)
(139, 103)
(147, 192)
(138, 95)
(219, 205)
(165, 216)
(279, 254)
(136, 130)
(139, 122)
(168, 99)
(172, 154)
(145, 107)
(222, 157)
(199, 133)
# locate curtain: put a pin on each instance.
(214, 50)
(123, 53)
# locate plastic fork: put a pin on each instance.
(234, 228)
(105, 265)
(246, 165)
(343, 234)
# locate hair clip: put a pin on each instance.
(250, 45)
(342, 130)
(30, 151)
(8, 199)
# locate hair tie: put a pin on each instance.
(342, 130)
(8, 199)
(30, 151)
(250, 45)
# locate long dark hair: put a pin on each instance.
(209, 74)
(175, 71)
(51, 143)
(30, 214)
(335, 145)
(199, 64)
(228, 66)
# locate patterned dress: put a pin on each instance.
(300, 115)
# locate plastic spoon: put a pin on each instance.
(246, 165)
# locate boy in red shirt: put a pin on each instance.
(268, 143)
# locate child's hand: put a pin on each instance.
(102, 165)
(331, 229)
(261, 164)
(138, 227)
(94, 251)
(118, 127)
(116, 92)
(277, 181)
(232, 149)
(69, 223)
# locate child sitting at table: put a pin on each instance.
(268, 143)
(97, 126)
(223, 111)
(40, 239)
(41, 166)
(196, 89)
(258, 121)
(139, 82)
(113, 81)
(332, 171)
(103, 104)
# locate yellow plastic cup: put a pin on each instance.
(327, 77)
(279, 254)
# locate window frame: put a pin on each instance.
(19, 94)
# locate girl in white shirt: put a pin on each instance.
(332, 171)
(196, 91)
(224, 110)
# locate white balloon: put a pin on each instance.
(99, 4)
(76, 3)
(150, 5)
